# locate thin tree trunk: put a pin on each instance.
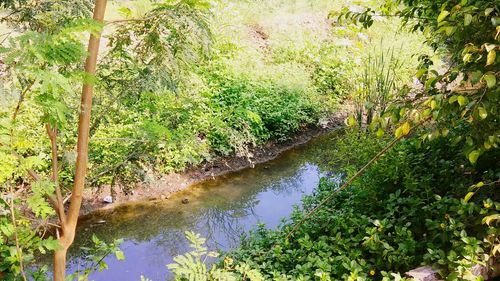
(69, 226)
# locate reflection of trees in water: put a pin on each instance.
(221, 221)
(295, 182)
(223, 228)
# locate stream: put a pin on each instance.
(221, 210)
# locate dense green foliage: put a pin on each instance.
(423, 202)
(171, 92)
(400, 214)
(463, 93)
(181, 83)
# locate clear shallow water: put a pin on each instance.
(221, 210)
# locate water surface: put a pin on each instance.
(221, 210)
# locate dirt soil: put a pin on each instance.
(162, 187)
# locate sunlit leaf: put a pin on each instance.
(120, 255)
(461, 100)
(489, 219)
(380, 132)
(482, 112)
(490, 79)
(473, 155)
(442, 15)
(405, 128)
(467, 19)
(468, 196)
(492, 55)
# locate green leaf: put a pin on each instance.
(399, 132)
(433, 104)
(467, 58)
(124, 11)
(492, 55)
(490, 79)
(473, 156)
(350, 121)
(487, 145)
(406, 128)
(120, 255)
(452, 99)
(468, 196)
(482, 112)
(52, 244)
(461, 100)
(488, 11)
(467, 19)
(495, 21)
(421, 72)
(380, 133)
(476, 77)
(442, 15)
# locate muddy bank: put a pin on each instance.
(163, 187)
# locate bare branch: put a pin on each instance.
(21, 99)
(52, 132)
(16, 238)
(355, 176)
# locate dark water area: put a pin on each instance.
(221, 210)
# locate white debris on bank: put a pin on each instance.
(108, 199)
(424, 273)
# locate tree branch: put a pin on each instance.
(347, 183)
(52, 132)
(21, 99)
(16, 238)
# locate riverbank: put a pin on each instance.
(162, 187)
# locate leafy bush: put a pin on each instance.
(402, 213)
(192, 265)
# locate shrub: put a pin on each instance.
(403, 212)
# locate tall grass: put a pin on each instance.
(380, 84)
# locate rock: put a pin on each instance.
(108, 199)
(185, 201)
(100, 221)
(162, 197)
(424, 273)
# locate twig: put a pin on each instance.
(347, 183)
(128, 20)
(119, 139)
(16, 238)
(21, 99)
(52, 132)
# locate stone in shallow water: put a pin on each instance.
(424, 273)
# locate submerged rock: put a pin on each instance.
(185, 201)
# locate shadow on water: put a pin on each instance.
(221, 210)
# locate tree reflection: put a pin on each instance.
(222, 210)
